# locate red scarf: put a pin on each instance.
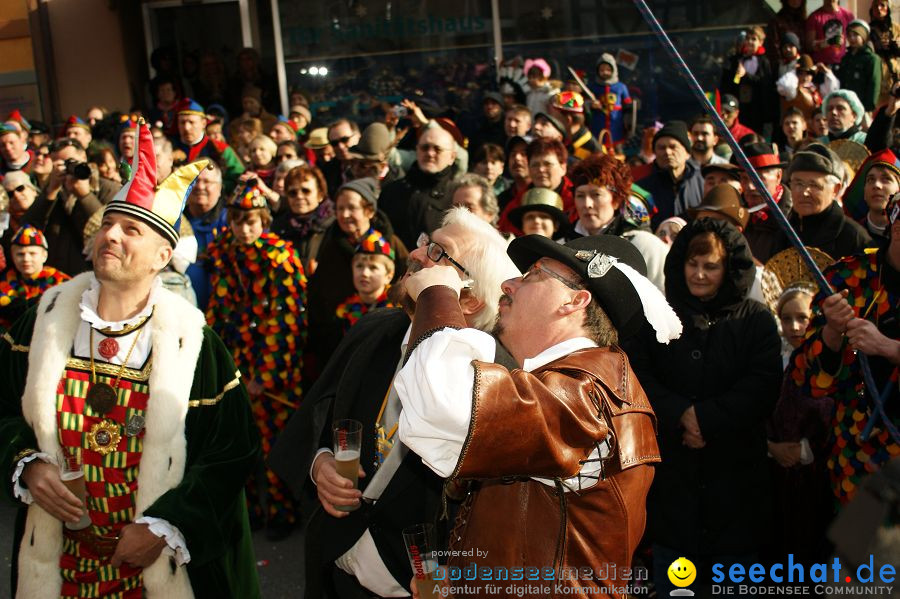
(762, 215)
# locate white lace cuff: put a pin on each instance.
(173, 536)
(19, 491)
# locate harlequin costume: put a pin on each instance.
(874, 295)
(353, 308)
(614, 98)
(258, 306)
(18, 292)
(170, 448)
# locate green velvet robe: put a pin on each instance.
(199, 446)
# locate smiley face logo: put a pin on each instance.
(682, 572)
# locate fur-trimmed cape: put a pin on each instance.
(200, 444)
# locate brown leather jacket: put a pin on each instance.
(545, 423)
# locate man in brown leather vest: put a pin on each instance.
(559, 452)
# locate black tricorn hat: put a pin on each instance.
(615, 273)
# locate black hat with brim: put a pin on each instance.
(593, 258)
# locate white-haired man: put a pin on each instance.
(360, 553)
(562, 447)
(137, 402)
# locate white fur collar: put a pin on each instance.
(177, 337)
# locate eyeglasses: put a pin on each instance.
(432, 148)
(813, 186)
(341, 140)
(436, 252)
(538, 268)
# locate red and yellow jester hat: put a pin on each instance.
(159, 206)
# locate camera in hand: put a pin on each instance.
(834, 41)
(79, 170)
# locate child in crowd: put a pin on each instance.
(860, 68)
(798, 88)
(257, 308)
(669, 228)
(373, 269)
(262, 158)
(747, 75)
(489, 161)
(214, 130)
(24, 284)
(540, 89)
(797, 432)
(246, 131)
(789, 53)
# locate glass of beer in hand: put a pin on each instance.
(347, 439)
(422, 551)
(71, 473)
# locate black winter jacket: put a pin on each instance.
(831, 231)
(417, 202)
(727, 364)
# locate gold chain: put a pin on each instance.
(126, 329)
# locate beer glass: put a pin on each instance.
(422, 551)
(347, 436)
(71, 473)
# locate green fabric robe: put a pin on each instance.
(199, 448)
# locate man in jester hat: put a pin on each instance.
(862, 316)
(117, 387)
(23, 284)
(257, 306)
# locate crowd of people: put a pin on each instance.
(374, 271)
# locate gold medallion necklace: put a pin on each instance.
(102, 397)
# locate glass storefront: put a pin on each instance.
(350, 56)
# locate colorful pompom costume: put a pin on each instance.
(820, 372)
(257, 307)
(17, 291)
